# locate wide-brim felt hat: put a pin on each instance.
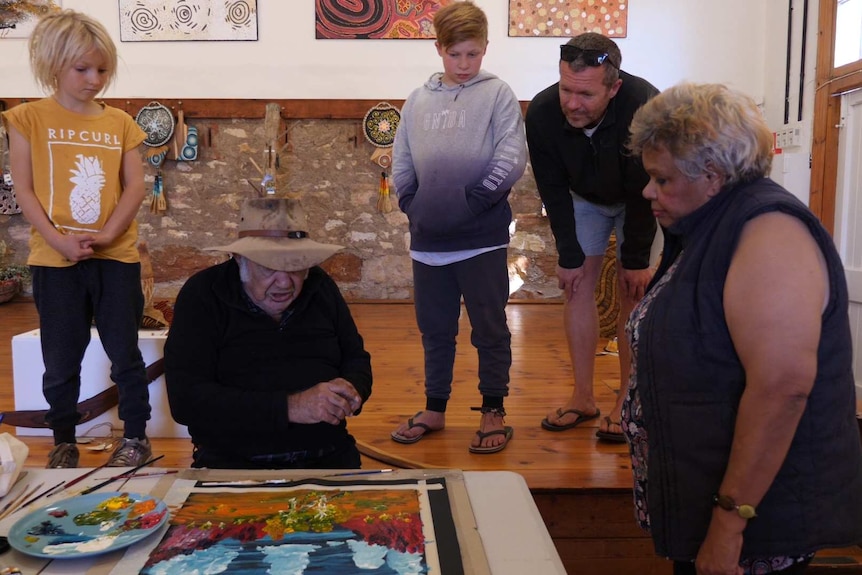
(273, 233)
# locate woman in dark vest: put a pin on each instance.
(741, 412)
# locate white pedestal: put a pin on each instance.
(27, 369)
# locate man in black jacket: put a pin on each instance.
(577, 131)
(263, 360)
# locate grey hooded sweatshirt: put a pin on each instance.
(458, 152)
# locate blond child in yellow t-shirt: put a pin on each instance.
(79, 181)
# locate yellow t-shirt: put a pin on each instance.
(76, 173)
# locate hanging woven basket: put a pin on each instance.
(380, 124)
(158, 122)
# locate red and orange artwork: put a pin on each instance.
(375, 19)
(296, 531)
(566, 18)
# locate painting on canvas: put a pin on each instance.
(567, 18)
(163, 20)
(19, 17)
(327, 527)
(382, 20)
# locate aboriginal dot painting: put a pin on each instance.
(171, 20)
(376, 19)
(567, 18)
(19, 17)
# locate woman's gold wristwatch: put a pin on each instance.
(727, 503)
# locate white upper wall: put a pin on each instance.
(668, 41)
(742, 43)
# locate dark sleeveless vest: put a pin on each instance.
(691, 380)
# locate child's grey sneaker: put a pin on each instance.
(63, 456)
(131, 453)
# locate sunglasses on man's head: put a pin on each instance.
(593, 58)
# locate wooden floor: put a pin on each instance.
(581, 487)
(541, 380)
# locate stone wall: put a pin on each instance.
(327, 164)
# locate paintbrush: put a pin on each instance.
(126, 480)
(85, 475)
(351, 473)
(48, 491)
(22, 497)
(276, 482)
(120, 475)
(136, 475)
(154, 473)
(19, 497)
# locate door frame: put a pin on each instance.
(830, 83)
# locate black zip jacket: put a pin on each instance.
(599, 169)
(229, 370)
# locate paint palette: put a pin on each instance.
(88, 525)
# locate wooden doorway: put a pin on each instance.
(831, 83)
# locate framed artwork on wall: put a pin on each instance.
(375, 19)
(172, 20)
(19, 17)
(567, 18)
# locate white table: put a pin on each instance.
(510, 525)
(512, 532)
(27, 369)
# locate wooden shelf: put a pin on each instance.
(215, 108)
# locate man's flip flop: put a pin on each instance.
(582, 417)
(610, 435)
(410, 425)
(507, 432)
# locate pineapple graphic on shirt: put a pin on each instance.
(85, 199)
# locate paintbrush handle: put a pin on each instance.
(154, 474)
(42, 494)
(120, 475)
(351, 473)
(22, 497)
(14, 499)
(85, 475)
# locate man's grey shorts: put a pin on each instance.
(593, 225)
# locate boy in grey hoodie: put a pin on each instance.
(459, 149)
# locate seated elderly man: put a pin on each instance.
(263, 361)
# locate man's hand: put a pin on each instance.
(327, 402)
(568, 280)
(633, 283)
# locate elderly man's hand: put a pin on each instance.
(327, 402)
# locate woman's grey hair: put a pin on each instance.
(706, 128)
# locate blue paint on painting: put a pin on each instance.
(333, 553)
(404, 563)
(367, 556)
